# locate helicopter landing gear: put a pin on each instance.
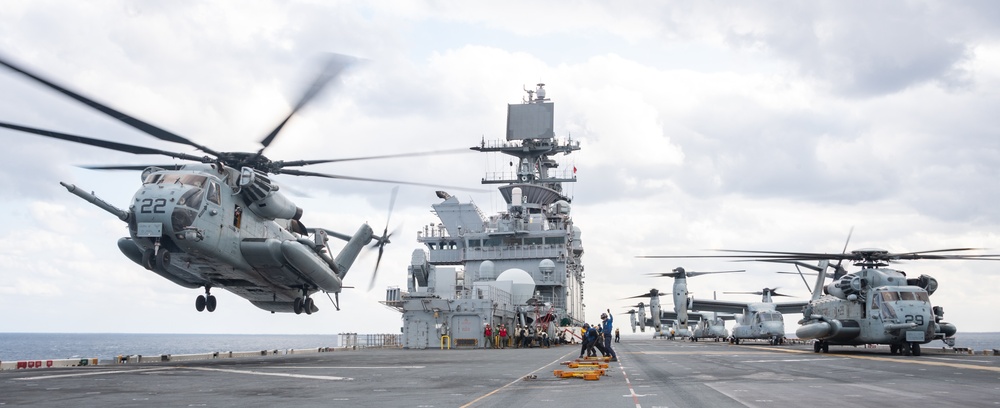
(905, 349)
(820, 345)
(303, 305)
(205, 302)
(162, 260)
(147, 259)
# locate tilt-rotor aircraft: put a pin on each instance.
(709, 325)
(655, 313)
(221, 221)
(657, 317)
(754, 320)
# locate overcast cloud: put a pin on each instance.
(763, 125)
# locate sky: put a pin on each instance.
(703, 125)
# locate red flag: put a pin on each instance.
(574, 169)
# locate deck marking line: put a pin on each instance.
(564, 356)
(896, 360)
(47, 377)
(635, 397)
(313, 377)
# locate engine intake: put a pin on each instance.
(266, 201)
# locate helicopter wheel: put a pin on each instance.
(905, 348)
(893, 349)
(826, 347)
(163, 260)
(308, 306)
(915, 349)
(297, 306)
(200, 303)
(817, 346)
(147, 259)
(210, 303)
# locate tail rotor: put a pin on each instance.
(384, 238)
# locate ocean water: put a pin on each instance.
(106, 346)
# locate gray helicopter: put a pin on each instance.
(221, 222)
(875, 305)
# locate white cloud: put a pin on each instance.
(771, 126)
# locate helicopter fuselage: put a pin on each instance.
(761, 321)
(894, 312)
(196, 228)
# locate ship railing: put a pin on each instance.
(355, 341)
(553, 251)
(513, 176)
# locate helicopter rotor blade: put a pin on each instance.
(332, 67)
(121, 147)
(296, 163)
(135, 167)
(335, 176)
(142, 126)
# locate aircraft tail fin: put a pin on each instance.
(354, 246)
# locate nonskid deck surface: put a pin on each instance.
(649, 373)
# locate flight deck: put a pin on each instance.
(649, 373)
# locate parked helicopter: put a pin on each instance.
(222, 222)
(710, 325)
(757, 320)
(875, 305)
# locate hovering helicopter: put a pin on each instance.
(221, 222)
(875, 305)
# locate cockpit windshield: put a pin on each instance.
(176, 178)
(192, 198)
(770, 317)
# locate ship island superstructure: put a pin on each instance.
(520, 267)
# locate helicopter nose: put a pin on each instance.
(774, 328)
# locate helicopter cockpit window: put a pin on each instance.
(923, 296)
(192, 198)
(185, 179)
(767, 317)
(907, 296)
(890, 296)
(152, 179)
(213, 192)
